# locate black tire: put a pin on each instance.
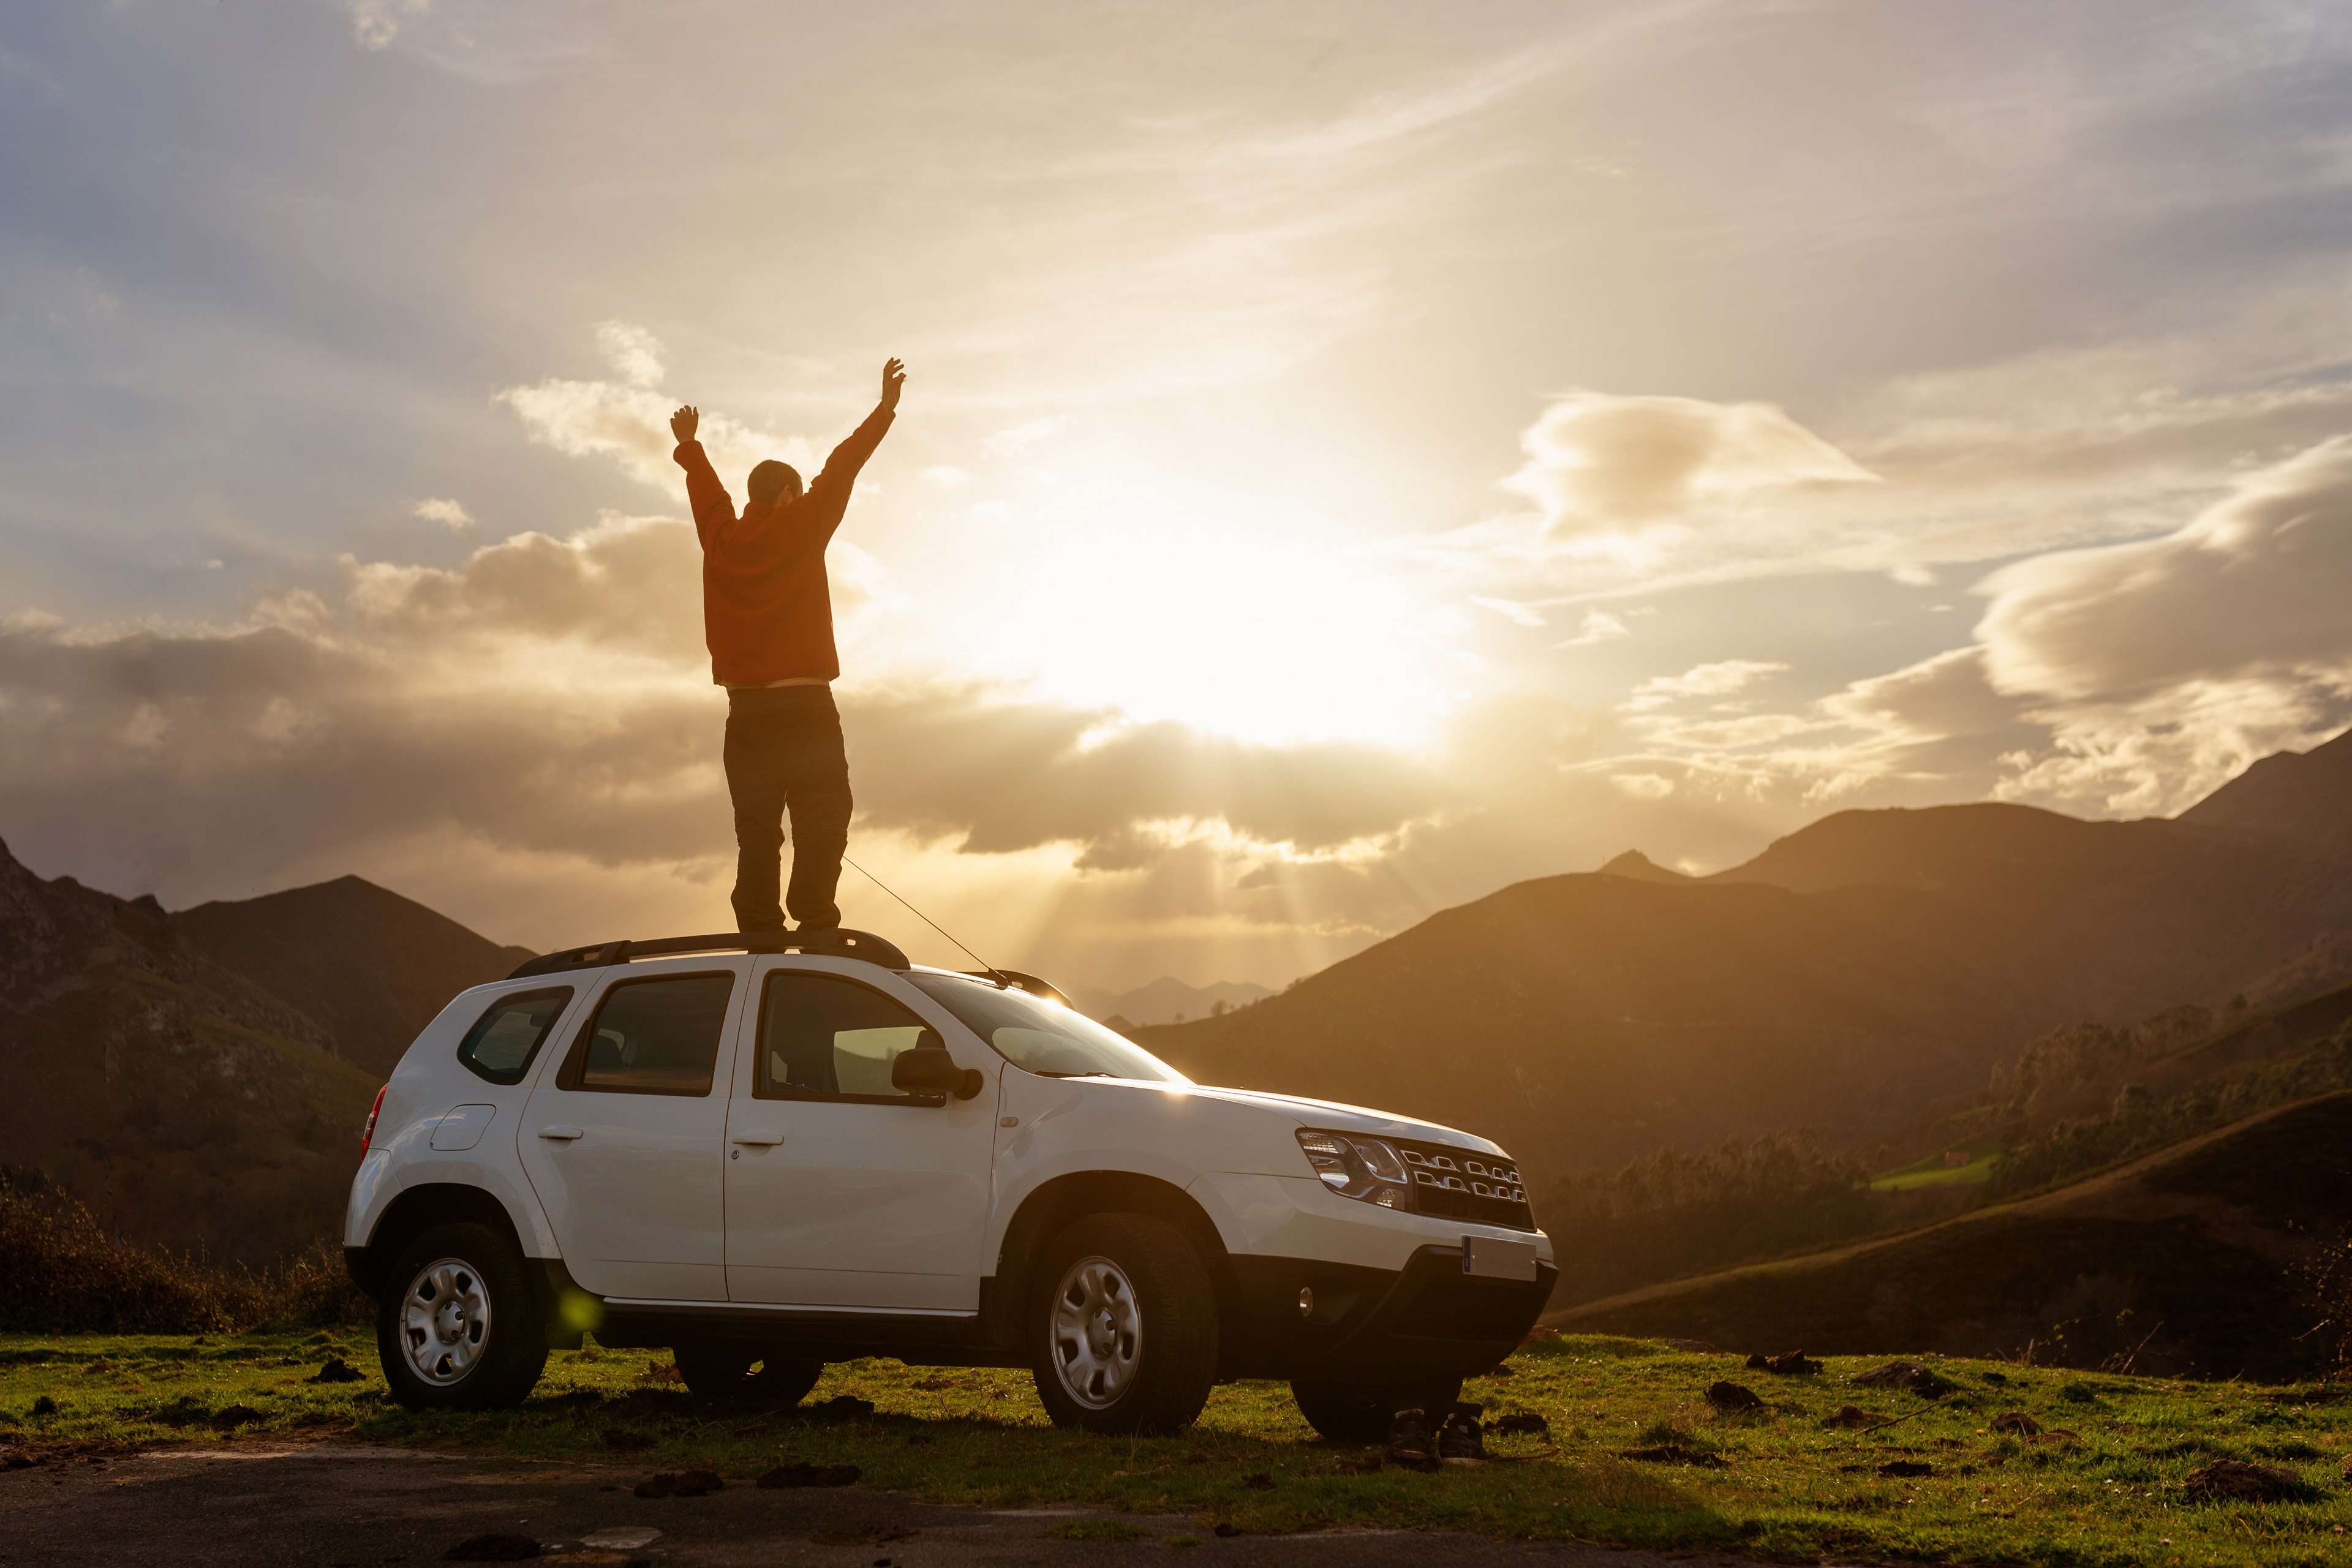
(722, 1369)
(458, 1327)
(1360, 1413)
(1134, 1349)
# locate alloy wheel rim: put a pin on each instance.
(444, 1321)
(1097, 1331)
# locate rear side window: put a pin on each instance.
(824, 1038)
(652, 1037)
(502, 1045)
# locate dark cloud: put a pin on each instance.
(548, 697)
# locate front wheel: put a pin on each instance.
(718, 1369)
(461, 1333)
(1360, 1413)
(1124, 1335)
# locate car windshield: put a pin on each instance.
(1041, 1036)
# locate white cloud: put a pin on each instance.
(630, 423)
(1598, 626)
(1598, 463)
(945, 476)
(1510, 610)
(2164, 665)
(448, 513)
(1019, 438)
(1719, 678)
(2255, 586)
(375, 23)
(635, 353)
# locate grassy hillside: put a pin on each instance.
(2193, 1254)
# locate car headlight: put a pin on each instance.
(1355, 1167)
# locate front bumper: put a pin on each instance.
(1375, 1325)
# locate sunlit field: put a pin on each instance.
(1634, 1455)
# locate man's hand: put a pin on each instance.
(689, 419)
(894, 376)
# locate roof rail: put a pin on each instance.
(837, 942)
(1020, 981)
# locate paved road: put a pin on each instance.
(364, 1506)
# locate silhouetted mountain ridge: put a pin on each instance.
(1854, 972)
(369, 965)
(157, 1069)
(181, 1102)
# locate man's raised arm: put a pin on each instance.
(841, 468)
(703, 491)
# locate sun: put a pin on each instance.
(1218, 613)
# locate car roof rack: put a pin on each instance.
(835, 942)
(1020, 981)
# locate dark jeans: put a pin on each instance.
(784, 752)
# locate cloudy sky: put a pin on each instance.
(1356, 455)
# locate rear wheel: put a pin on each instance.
(461, 1332)
(1360, 1412)
(1124, 1335)
(722, 1369)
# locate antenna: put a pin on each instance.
(993, 973)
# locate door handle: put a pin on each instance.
(758, 1140)
(560, 1134)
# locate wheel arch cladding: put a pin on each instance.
(419, 1210)
(1061, 1202)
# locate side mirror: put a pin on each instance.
(927, 1068)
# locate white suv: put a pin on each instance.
(767, 1154)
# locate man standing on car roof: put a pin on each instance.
(767, 613)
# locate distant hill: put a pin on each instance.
(179, 1101)
(1850, 975)
(371, 966)
(1637, 866)
(2194, 1249)
(1166, 1000)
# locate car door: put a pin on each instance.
(624, 1141)
(843, 1192)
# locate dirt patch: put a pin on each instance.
(1852, 1416)
(800, 1475)
(1732, 1396)
(1918, 1376)
(2234, 1480)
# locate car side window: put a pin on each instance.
(503, 1042)
(825, 1037)
(657, 1036)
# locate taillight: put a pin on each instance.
(368, 1135)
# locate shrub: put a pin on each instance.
(62, 1271)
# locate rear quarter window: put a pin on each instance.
(505, 1040)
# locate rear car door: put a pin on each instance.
(843, 1192)
(623, 1141)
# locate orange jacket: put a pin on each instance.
(767, 610)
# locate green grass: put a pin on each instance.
(1932, 1172)
(1781, 1487)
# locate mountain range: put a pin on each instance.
(1166, 1000)
(1853, 975)
(200, 1079)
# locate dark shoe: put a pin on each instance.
(1408, 1444)
(1461, 1438)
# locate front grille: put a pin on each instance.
(1462, 1183)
